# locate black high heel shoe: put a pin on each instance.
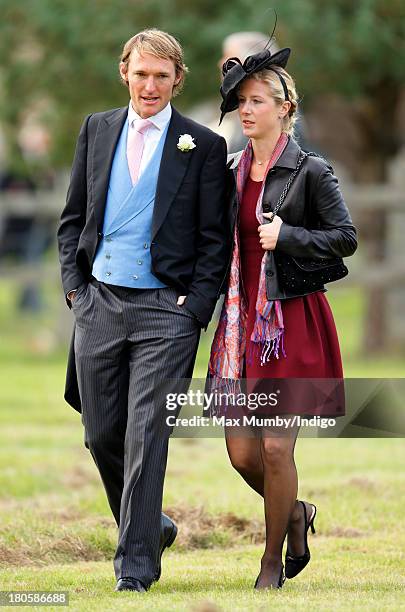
(280, 583)
(295, 565)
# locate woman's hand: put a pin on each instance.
(269, 232)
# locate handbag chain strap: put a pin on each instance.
(283, 195)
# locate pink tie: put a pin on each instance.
(135, 144)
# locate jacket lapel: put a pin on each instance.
(232, 193)
(290, 155)
(172, 169)
(107, 135)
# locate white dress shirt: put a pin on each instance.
(153, 134)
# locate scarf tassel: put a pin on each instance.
(272, 347)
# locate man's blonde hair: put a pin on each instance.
(161, 44)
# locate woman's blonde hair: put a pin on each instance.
(161, 44)
(277, 93)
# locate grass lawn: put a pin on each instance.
(56, 531)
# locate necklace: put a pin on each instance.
(260, 163)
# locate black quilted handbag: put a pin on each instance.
(303, 274)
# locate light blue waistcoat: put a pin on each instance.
(123, 255)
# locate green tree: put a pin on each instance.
(66, 52)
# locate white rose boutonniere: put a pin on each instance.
(186, 143)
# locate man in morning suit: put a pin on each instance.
(143, 250)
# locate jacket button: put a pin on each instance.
(269, 273)
(266, 207)
(100, 234)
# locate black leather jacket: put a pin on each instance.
(316, 221)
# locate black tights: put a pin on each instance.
(267, 464)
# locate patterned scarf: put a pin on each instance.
(229, 345)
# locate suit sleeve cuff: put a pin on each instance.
(200, 308)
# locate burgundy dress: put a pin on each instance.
(310, 338)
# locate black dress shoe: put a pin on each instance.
(130, 584)
(168, 533)
(295, 565)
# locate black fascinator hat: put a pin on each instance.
(234, 72)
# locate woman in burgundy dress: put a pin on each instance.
(266, 331)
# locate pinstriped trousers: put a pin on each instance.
(127, 342)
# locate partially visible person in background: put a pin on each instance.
(242, 45)
(27, 230)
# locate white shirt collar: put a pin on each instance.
(160, 120)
